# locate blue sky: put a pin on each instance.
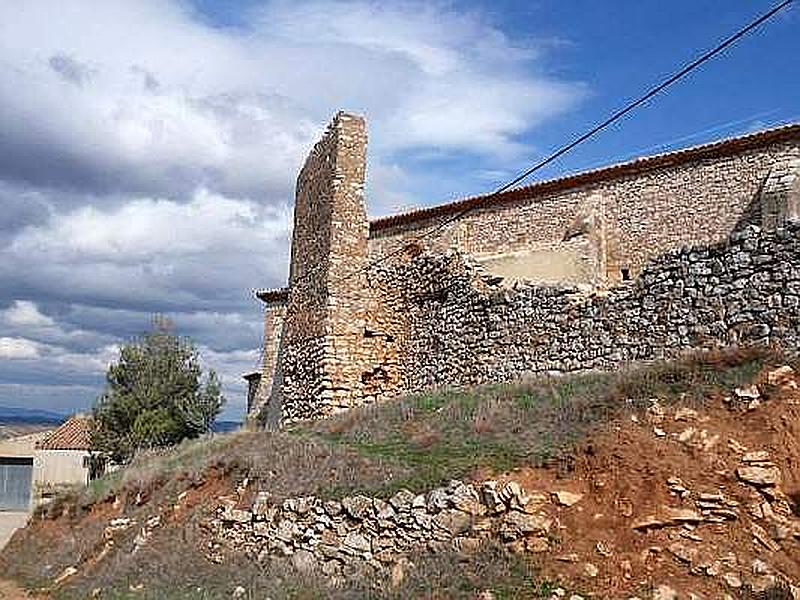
(150, 147)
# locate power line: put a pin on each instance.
(680, 74)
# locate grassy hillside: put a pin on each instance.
(414, 443)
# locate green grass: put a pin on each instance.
(443, 435)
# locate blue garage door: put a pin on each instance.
(15, 483)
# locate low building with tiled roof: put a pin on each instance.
(64, 457)
(34, 466)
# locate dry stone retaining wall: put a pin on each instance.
(334, 536)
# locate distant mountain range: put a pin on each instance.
(13, 415)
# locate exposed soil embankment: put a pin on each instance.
(678, 480)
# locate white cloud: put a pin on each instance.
(96, 361)
(19, 348)
(207, 253)
(24, 313)
(149, 157)
(141, 97)
(145, 228)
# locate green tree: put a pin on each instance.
(155, 396)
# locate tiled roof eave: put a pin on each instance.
(73, 434)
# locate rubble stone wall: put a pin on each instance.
(336, 535)
(468, 326)
(274, 315)
(333, 346)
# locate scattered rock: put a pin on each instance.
(516, 524)
(758, 566)
(604, 548)
(566, 498)
(761, 536)
(759, 476)
(664, 592)
(685, 414)
(782, 377)
(758, 456)
(747, 393)
(678, 516)
(682, 553)
(677, 486)
(65, 574)
(732, 580)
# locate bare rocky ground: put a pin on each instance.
(670, 499)
(686, 503)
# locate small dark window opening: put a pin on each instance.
(369, 333)
(626, 273)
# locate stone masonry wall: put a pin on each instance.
(334, 347)
(274, 315)
(467, 326)
(431, 315)
(338, 536)
(646, 212)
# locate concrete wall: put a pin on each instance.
(53, 468)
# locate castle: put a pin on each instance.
(636, 261)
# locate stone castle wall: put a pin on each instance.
(331, 344)
(439, 310)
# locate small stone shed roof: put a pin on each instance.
(274, 296)
(73, 434)
(717, 149)
(252, 375)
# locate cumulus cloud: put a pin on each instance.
(156, 254)
(180, 103)
(24, 313)
(18, 348)
(150, 157)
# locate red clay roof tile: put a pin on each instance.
(73, 434)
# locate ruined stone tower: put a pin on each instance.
(322, 352)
